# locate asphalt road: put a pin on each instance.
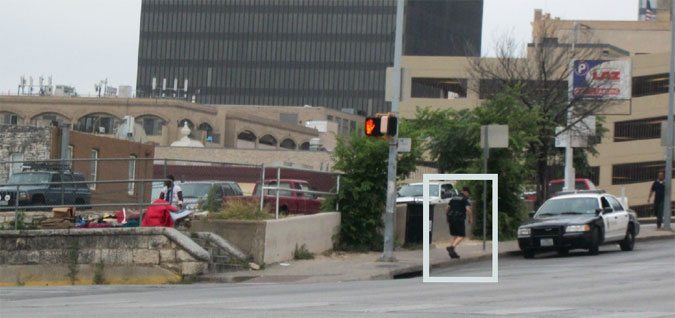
(613, 284)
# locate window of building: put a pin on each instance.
(15, 166)
(636, 172)
(490, 87)
(10, 119)
(207, 133)
(647, 210)
(151, 124)
(648, 128)
(97, 124)
(267, 142)
(93, 169)
(246, 140)
(650, 85)
(132, 174)
(304, 146)
(443, 88)
(287, 144)
(289, 118)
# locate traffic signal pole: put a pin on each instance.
(388, 252)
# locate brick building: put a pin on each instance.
(27, 143)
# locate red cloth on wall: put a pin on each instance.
(158, 215)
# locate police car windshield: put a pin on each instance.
(415, 190)
(28, 178)
(568, 205)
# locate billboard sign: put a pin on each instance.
(600, 79)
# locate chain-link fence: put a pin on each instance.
(110, 184)
(287, 189)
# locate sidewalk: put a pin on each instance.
(340, 266)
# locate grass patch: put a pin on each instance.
(185, 279)
(73, 253)
(19, 282)
(412, 246)
(99, 274)
(302, 252)
(241, 210)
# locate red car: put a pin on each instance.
(290, 202)
(556, 185)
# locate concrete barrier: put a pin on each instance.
(86, 256)
(272, 241)
(439, 232)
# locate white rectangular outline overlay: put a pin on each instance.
(425, 221)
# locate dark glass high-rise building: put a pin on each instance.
(331, 53)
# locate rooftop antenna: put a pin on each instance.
(41, 81)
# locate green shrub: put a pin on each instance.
(363, 187)
(99, 274)
(241, 210)
(302, 252)
(211, 203)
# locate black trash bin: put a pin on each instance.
(414, 225)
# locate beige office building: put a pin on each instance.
(630, 154)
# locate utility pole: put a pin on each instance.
(569, 151)
(388, 252)
(669, 137)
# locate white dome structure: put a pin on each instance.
(184, 140)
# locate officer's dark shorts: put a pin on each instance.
(457, 227)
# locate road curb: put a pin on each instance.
(413, 269)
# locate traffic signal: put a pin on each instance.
(381, 125)
(373, 127)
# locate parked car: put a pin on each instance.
(584, 219)
(439, 192)
(195, 192)
(290, 202)
(41, 192)
(556, 185)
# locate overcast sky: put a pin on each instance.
(80, 42)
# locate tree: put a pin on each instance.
(454, 143)
(363, 187)
(542, 80)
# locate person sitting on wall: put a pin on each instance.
(158, 214)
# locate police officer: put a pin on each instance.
(457, 211)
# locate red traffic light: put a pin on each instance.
(373, 127)
(382, 125)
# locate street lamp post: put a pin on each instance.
(388, 251)
(669, 135)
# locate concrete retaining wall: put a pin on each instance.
(273, 241)
(119, 255)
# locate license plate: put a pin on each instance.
(4, 202)
(546, 242)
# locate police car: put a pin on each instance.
(579, 220)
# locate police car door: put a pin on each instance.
(610, 218)
(620, 216)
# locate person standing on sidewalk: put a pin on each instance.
(172, 193)
(458, 209)
(658, 190)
